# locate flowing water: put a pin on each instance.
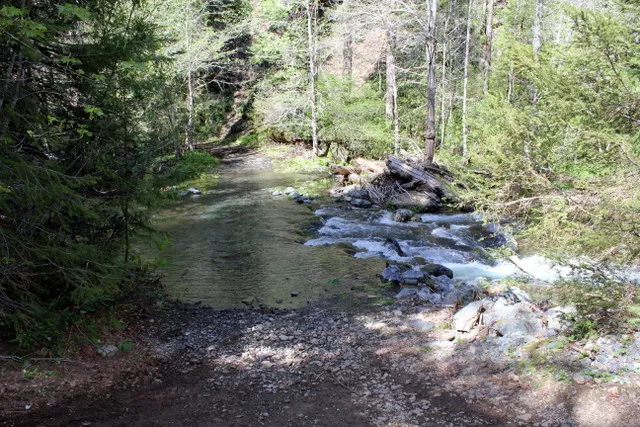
(237, 241)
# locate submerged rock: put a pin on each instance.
(402, 215)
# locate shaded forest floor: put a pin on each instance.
(338, 362)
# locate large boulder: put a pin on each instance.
(421, 201)
(512, 320)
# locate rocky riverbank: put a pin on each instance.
(341, 362)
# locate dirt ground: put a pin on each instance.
(337, 363)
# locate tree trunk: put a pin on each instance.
(445, 49)
(190, 112)
(312, 11)
(390, 74)
(410, 173)
(430, 125)
(391, 96)
(347, 54)
(537, 29)
(465, 131)
(487, 47)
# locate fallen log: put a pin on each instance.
(409, 173)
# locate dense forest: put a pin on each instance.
(532, 105)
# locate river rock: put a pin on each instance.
(289, 190)
(295, 195)
(412, 277)
(357, 193)
(402, 215)
(191, 192)
(465, 319)
(295, 293)
(436, 270)
(511, 320)
(425, 294)
(393, 272)
(360, 203)
(276, 193)
(406, 292)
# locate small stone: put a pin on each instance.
(579, 379)
(108, 350)
(295, 293)
(276, 193)
(289, 190)
(525, 417)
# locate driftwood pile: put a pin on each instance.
(399, 183)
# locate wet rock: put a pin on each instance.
(191, 192)
(295, 293)
(412, 277)
(436, 270)
(361, 203)
(295, 195)
(357, 193)
(402, 215)
(107, 350)
(465, 319)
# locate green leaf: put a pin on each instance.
(12, 12)
(73, 10)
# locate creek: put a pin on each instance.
(237, 242)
